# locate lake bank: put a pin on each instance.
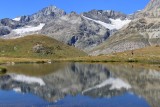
(106, 58)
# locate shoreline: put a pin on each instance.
(91, 59)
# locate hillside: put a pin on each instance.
(37, 46)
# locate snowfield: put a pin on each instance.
(28, 29)
(17, 19)
(115, 23)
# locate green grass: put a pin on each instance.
(22, 48)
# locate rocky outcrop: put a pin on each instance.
(39, 48)
(10, 23)
(4, 30)
(104, 15)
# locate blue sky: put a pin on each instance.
(14, 8)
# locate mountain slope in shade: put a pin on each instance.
(37, 46)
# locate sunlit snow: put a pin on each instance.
(27, 29)
(115, 23)
(17, 19)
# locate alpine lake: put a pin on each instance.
(66, 84)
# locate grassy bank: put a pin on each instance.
(144, 55)
(9, 60)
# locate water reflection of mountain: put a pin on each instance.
(145, 82)
(95, 80)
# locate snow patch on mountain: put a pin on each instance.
(115, 23)
(17, 19)
(27, 29)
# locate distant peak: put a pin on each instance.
(50, 10)
(51, 7)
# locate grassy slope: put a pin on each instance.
(144, 55)
(22, 48)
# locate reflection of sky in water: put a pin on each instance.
(11, 98)
(126, 100)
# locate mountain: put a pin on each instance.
(37, 46)
(75, 30)
(152, 10)
(44, 15)
(140, 33)
(84, 31)
(110, 19)
(30, 24)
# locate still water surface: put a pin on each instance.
(80, 85)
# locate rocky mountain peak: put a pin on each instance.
(152, 10)
(44, 15)
(104, 15)
(50, 10)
